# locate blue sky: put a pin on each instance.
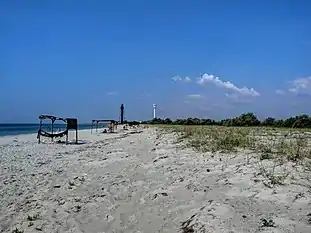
(198, 58)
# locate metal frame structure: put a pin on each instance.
(112, 125)
(71, 123)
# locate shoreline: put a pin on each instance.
(32, 137)
(35, 133)
(16, 133)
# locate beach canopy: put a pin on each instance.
(71, 123)
(112, 124)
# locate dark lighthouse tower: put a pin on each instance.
(122, 114)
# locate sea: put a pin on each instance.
(16, 129)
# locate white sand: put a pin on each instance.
(140, 183)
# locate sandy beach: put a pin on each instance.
(141, 180)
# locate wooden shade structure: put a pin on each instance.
(71, 123)
(112, 124)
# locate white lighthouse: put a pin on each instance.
(154, 110)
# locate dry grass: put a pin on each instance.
(294, 144)
(274, 147)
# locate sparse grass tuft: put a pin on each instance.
(213, 138)
(293, 145)
(266, 155)
(16, 230)
(275, 147)
(275, 174)
(33, 217)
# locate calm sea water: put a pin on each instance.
(15, 129)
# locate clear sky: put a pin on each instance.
(195, 58)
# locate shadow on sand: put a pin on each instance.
(72, 143)
(68, 143)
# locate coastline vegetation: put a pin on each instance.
(274, 144)
(290, 137)
(245, 119)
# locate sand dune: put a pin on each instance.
(144, 182)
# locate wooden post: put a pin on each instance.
(52, 128)
(77, 136)
(40, 131)
(109, 127)
(67, 136)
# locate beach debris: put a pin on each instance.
(109, 218)
(5, 182)
(61, 202)
(158, 194)
(309, 218)
(77, 208)
(40, 163)
(135, 132)
(16, 230)
(266, 156)
(98, 195)
(161, 157)
(39, 227)
(298, 196)
(71, 183)
(186, 227)
(59, 156)
(77, 180)
(195, 187)
(33, 216)
(29, 201)
(227, 182)
(206, 189)
(59, 170)
(80, 178)
(267, 223)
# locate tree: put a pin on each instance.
(269, 121)
(168, 121)
(302, 121)
(245, 119)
